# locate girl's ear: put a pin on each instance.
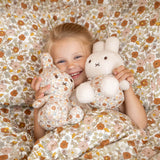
(46, 60)
(112, 44)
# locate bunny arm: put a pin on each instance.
(40, 102)
(85, 93)
(110, 86)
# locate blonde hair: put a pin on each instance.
(66, 30)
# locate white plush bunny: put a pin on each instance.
(99, 66)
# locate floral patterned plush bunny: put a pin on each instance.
(56, 108)
(103, 90)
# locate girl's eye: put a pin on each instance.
(61, 61)
(77, 57)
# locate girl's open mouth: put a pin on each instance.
(75, 75)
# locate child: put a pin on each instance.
(69, 45)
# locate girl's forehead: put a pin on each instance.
(68, 45)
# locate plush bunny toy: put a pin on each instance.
(56, 108)
(102, 88)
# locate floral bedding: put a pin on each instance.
(107, 134)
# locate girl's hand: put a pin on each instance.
(35, 85)
(122, 73)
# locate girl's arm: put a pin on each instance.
(39, 93)
(134, 109)
(38, 130)
(131, 106)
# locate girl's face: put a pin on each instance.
(69, 55)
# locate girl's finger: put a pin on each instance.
(118, 69)
(130, 79)
(37, 84)
(33, 82)
(37, 96)
(122, 74)
(45, 88)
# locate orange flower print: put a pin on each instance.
(134, 38)
(15, 49)
(144, 82)
(14, 93)
(100, 126)
(35, 8)
(102, 27)
(42, 21)
(117, 14)
(88, 156)
(86, 25)
(107, 158)
(153, 22)
(2, 33)
(88, 2)
(140, 69)
(35, 26)
(4, 110)
(156, 63)
(75, 125)
(24, 138)
(131, 143)
(134, 54)
(157, 101)
(6, 120)
(100, 1)
(20, 58)
(27, 112)
(1, 54)
(157, 135)
(4, 157)
(22, 37)
(14, 78)
(142, 23)
(124, 23)
(23, 5)
(22, 125)
(126, 155)
(72, 19)
(105, 142)
(29, 80)
(150, 39)
(34, 58)
(59, 129)
(53, 0)
(0, 40)
(20, 23)
(122, 118)
(141, 9)
(64, 144)
(5, 130)
(100, 14)
(55, 18)
(156, 5)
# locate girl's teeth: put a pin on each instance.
(74, 74)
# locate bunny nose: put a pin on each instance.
(97, 64)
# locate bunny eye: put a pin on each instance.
(105, 58)
(89, 61)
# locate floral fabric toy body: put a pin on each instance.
(103, 90)
(57, 110)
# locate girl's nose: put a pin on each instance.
(71, 65)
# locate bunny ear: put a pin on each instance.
(112, 44)
(46, 60)
(98, 46)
